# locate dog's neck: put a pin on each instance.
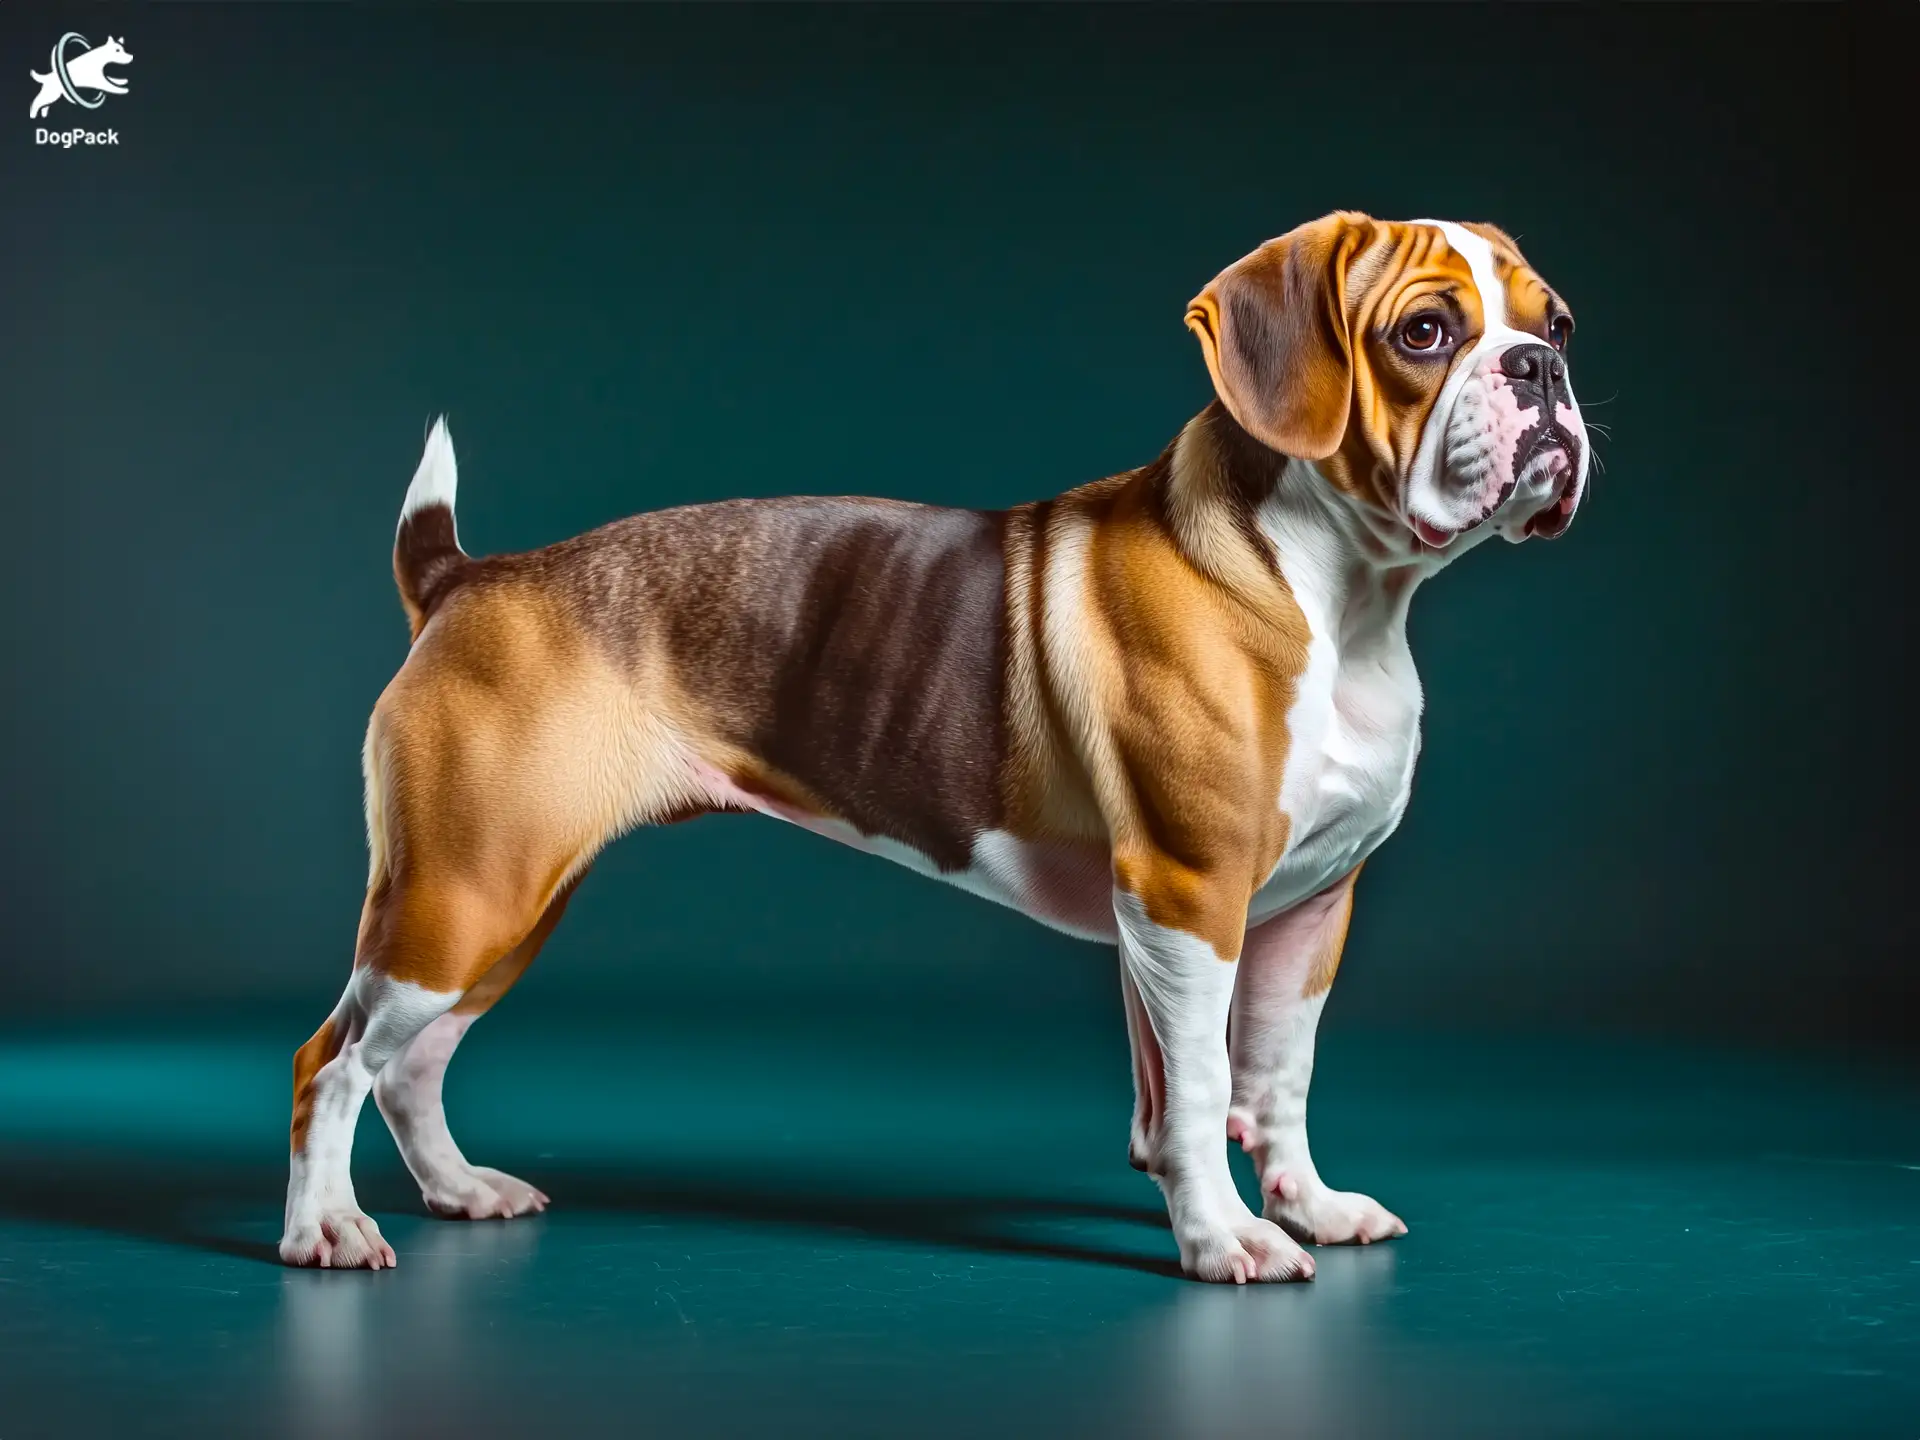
(1238, 509)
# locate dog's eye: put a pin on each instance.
(1425, 334)
(1560, 331)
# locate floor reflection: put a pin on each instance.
(1269, 1359)
(359, 1350)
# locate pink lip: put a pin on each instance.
(1551, 522)
(1432, 535)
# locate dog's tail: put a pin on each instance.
(427, 559)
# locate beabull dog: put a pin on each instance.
(1172, 710)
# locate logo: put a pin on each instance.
(70, 73)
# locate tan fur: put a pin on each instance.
(1377, 269)
(510, 747)
(1529, 298)
(1047, 793)
(506, 972)
(307, 1060)
(1288, 378)
(1152, 650)
(504, 754)
(1187, 655)
(1390, 400)
(1326, 964)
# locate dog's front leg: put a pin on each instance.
(1286, 970)
(1179, 989)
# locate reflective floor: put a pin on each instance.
(789, 1232)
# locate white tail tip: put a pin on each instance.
(438, 477)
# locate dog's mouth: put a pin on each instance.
(1544, 483)
(1550, 522)
(1558, 460)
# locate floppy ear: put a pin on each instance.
(1274, 330)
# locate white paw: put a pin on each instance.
(1246, 1251)
(1311, 1213)
(1329, 1217)
(337, 1240)
(483, 1194)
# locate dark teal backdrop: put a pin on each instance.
(650, 256)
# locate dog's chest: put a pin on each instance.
(1353, 738)
(1353, 728)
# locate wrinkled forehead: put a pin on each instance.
(1479, 267)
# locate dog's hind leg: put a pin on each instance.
(408, 1092)
(43, 102)
(423, 949)
(332, 1074)
(477, 831)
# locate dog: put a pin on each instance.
(87, 71)
(1173, 710)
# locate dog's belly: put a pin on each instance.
(1068, 888)
(1349, 794)
(1065, 887)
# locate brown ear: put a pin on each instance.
(1274, 330)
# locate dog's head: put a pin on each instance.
(113, 52)
(1422, 365)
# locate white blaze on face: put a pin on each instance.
(1462, 484)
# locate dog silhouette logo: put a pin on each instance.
(71, 73)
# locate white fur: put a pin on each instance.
(324, 1222)
(1426, 497)
(1186, 991)
(1479, 257)
(1354, 728)
(1274, 1023)
(1057, 888)
(437, 478)
(408, 1091)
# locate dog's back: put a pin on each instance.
(853, 648)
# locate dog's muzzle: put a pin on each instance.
(1550, 449)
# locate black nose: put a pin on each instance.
(1534, 364)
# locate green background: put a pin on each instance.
(643, 257)
(836, 1151)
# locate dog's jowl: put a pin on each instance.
(1172, 710)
